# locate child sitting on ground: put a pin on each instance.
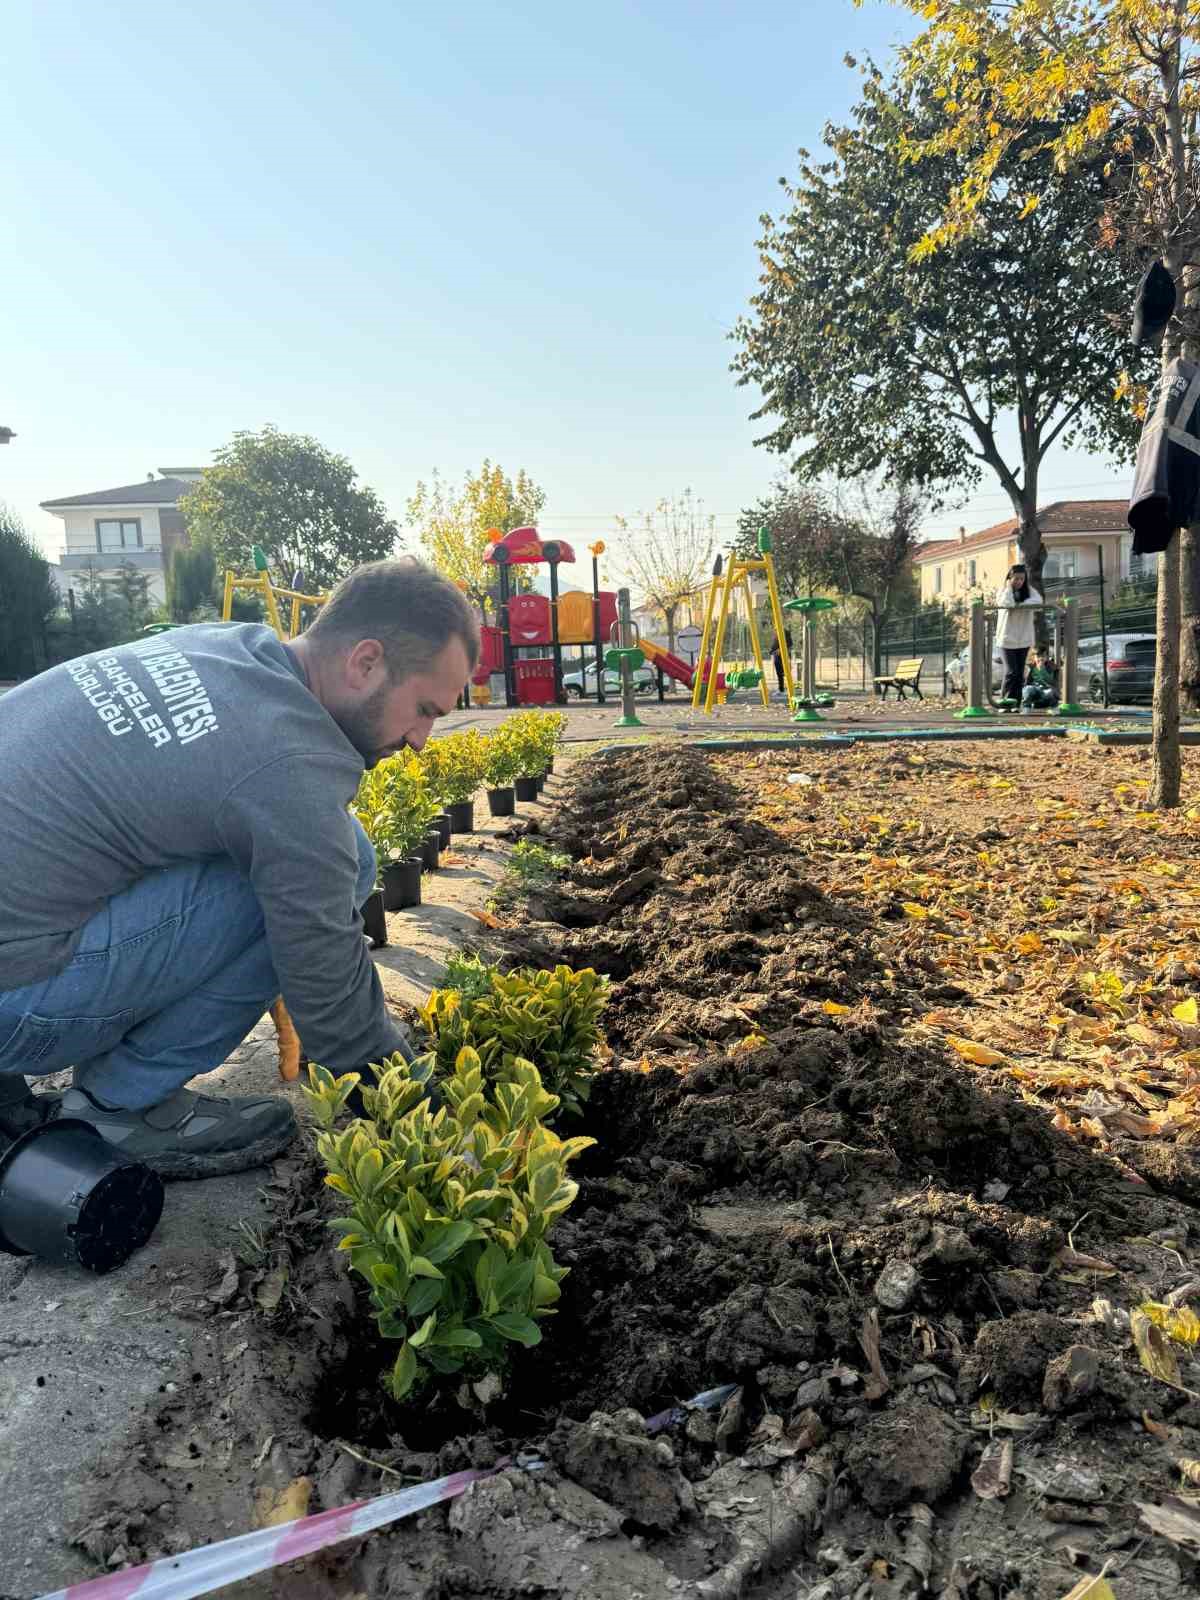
(1041, 687)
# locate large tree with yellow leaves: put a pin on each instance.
(1130, 71)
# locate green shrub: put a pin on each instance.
(449, 1210)
(502, 762)
(395, 805)
(549, 1018)
(527, 735)
(453, 765)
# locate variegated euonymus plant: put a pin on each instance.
(449, 1210)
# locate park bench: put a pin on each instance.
(906, 676)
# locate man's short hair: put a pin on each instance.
(412, 610)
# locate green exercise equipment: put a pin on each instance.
(614, 657)
(806, 702)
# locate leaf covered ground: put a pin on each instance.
(1035, 880)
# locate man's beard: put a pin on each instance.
(363, 726)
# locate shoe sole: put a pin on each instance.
(178, 1164)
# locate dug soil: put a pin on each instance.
(920, 1284)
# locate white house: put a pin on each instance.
(139, 523)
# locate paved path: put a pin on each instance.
(80, 1356)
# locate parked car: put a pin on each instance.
(1131, 660)
(577, 684)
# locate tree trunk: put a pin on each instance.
(1164, 743)
(1033, 551)
(669, 614)
(1189, 618)
(876, 645)
(1164, 740)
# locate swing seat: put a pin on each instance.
(745, 678)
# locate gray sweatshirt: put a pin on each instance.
(196, 743)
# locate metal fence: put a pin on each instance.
(937, 634)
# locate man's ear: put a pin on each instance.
(364, 665)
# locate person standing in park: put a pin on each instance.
(777, 658)
(1015, 601)
(178, 851)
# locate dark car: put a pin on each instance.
(1130, 672)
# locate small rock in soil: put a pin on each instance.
(1070, 1378)
(913, 1452)
(897, 1285)
(636, 1474)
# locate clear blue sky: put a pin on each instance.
(425, 236)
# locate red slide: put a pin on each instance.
(671, 665)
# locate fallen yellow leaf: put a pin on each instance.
(275, 1506)
(1183, 1325)
(1153, 1348)
(1091, 1589)
(981, 1054)
(832, 1009)
(1186, 1011)
(912, 909)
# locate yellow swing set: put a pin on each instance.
(260, 583)
(730, 580)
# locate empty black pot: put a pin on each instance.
(70, 1197)
(526, 789)
(442, 823)
(374, 921)
(501, 802)
(431, 848)
(408, 879)
(462, 816)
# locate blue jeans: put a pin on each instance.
(1033, 694)
(167, 980)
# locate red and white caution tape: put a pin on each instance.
(213, 1566)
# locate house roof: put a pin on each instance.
(150, 492)
(1060, 518)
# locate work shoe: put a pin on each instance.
(192, 1135)
(21, 1110)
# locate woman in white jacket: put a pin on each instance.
(1015, 601)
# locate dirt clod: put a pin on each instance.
(613, 1458)
(912, 1453)
(1070, 1378)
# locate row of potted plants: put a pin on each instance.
(410, 804)
(512, 764)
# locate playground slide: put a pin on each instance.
(671, 665)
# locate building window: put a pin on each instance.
(118, 534)
(970, 574)
(937, 580)
(1061, 566)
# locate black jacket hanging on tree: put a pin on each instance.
(1166, 480)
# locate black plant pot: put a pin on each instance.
(430, 849)
(374, 921)
(442, 823)
(402, 883)
(70, 1197)
(462, 816)
(526, 789)
(502, 802)
(541, 782)
(550, 765)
